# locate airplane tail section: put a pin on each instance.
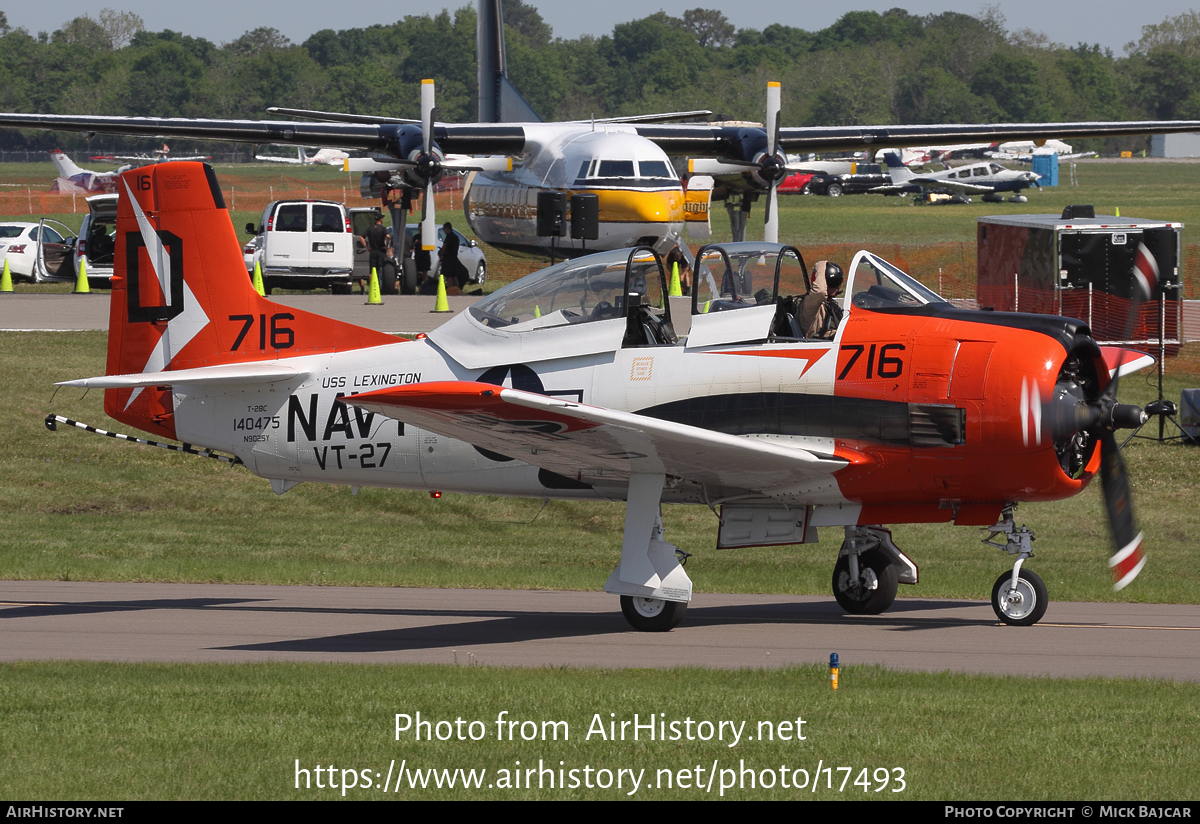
(896, 168)
(66, 166)
(499, 100)
(181, 298)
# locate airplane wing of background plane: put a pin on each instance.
(923, 181)
(384, 134)
(595, 444)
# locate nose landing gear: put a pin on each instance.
(1019, 598)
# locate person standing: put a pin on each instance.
(451, 268)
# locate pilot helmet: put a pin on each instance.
(834, 277)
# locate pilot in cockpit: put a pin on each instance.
(819, 314)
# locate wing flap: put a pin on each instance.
(591, 443)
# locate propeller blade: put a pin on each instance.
(707, 166)
(1128, 554)
(773, 104)
(464, 163)
(428, 221)
(367, 164)
(771, 226)
(427, 104)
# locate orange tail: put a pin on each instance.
(181, 297)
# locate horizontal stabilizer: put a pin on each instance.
(226, 375)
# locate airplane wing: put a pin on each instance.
(591, 443)
(378, 134)
(950, 183)
(293, 160)
(1126, 360)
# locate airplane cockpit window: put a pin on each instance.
(624, 283)
(877, 284)
(996, 169)
(616, 168)
(583, 170)
(738, 275)
(655, 169)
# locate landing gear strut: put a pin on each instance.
(654, 589)
(1019, 597)
(868, 570)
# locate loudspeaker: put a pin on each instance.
(551, 214)
(585, 217)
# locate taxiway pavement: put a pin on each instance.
(49, 620)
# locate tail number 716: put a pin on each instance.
(282, 337)
(879, 361)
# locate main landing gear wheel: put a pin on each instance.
(875, 589)
(652, 614)
(1022, 608)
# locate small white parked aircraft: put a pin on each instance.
(323, 157)
(988, 179)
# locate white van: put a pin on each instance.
(303, 244)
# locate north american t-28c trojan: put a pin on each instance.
(573, 383)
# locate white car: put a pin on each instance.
(38, 252)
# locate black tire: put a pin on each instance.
(1029, 608)
(480, 273)
(652, 614)
(806, 189)
(852, 596)
(834, 190)
(341, 288)
(387, 279)
(408, 277)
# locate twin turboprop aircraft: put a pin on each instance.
(576, 382)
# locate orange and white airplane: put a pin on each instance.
(577, 382)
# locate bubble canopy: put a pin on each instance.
(583, 290)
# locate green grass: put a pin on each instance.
(79, 731)
(80, 507)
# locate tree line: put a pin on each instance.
(868, 67)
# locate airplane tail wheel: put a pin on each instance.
(652, 614)
(875, 589)
(1022, 608)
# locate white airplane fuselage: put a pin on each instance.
(640, 196)
(293, 432)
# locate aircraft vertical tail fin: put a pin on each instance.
(181, 297)
(896, 168)
(66, 166)
(499, 100)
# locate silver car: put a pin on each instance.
(469, 253)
